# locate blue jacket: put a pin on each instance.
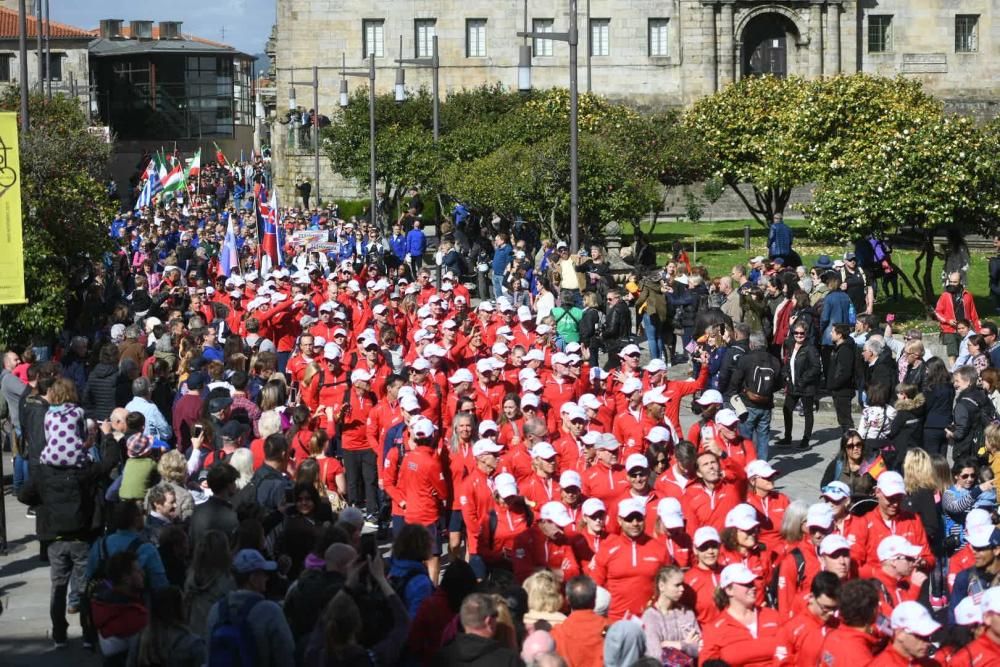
(149, 557)
(346, 247)
(836, 310)
(416, 242)
(779, 240)
(398, 246)
(418, 585)
(501, 258)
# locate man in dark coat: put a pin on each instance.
(880, 368)
(99, 397)
(617, 326)
(840, 378)
(217, 512)
(476, 645)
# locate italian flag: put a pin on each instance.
(194, 166)
(174, 180)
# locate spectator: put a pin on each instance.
(156, 425)
(966, 430)
(127, 525)
(668, 624)
(217, 512)
(545, 601)
(99, 395)
(840, 378)
(956, 303)
(906, 431)
(167, 639)
(923, 493)
(476, 646)
(802, 371)
(624, 644)
(410, 549)
(849, 467)
(118, 610)
(580, 638)
(779, 239)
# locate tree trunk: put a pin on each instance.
(766, 202)
(923, 267)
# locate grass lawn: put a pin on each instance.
(720, 246)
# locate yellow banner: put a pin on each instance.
(11, 244)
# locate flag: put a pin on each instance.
(268, 233)
(174, 180)
(194, 166)
(875, 467)
(151, 187)
(220, 156)
(161, 167)
(229, 257)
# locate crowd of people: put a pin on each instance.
(217, 463)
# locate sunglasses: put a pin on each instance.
(634, 518)
(799, 334)
(639, 473)
(969, 476)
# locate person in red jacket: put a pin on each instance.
(743, 634)
(802, 561)
(674, 481)
(770, 504)
(605, 479)
(703, 577)
(707, 501)
(896, 576)
(955, 298)
(740, 544)
(640, 488)
(912, 627)
(801, 636)
(733, 449)
(627, 422)
(546, 545)
(593, 527)
(513, 518)
(703, 430)
(360, 461)
(984, 649)
(670, 531)
(888, 519)
(475, 497)
(580, 638)
(542, 487)
(423, 486)
(626, 564)
(855, 641)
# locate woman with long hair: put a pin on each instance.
(670, 625)
(331, 470)
(511, 421)
(923, 496)
(745, 634)
(741, 544)
(703, 577)
(849, 467)
(461, 462)
(939, 397)
(208, 579)
(167, 640)
(978, 348)
(801, 371)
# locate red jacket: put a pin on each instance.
(580, 639)
(497, 546)
(757, 561)
(353, 428)
(533, 551)
(423, 487)
(890, 657)
(770, 513)
(538, 491)
(793, 636)
(981, 652)
(945, 311)
(702, 508)
(729, 640)
(699, 592)
(381, 418)
(672, 484)
(476, 501)
(789, 587)
(675, 390)
(627, 568)
(604, 483)
(848, 647)
(872, 529)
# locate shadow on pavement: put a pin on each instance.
(34, 652)
(27, 564)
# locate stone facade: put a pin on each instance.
(653, 53)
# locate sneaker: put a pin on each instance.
(784, 442)
(30, 514)
(803, 445)
(371, 520)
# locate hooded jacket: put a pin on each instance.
(967, 426)
(99, 397)
(411, 581)
(907, 428)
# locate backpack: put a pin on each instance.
(761, 382)
(987, 415)
(232, 643)
(771, 592)
(98, 582)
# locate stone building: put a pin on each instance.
(653, 53)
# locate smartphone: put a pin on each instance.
(198, 430)
(293, 395)
(369, 548)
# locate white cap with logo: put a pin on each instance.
(914, 618)
(557, 513)
(743, 517)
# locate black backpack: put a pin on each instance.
(762, 380)
(771, 592)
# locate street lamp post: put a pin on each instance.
(572, 38)
(434, 63)
(344, 99)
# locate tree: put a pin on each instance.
(935, 173)
(65, 209)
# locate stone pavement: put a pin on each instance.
(24, 580)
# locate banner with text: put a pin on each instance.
(11, 242)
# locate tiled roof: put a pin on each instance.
(9, 28)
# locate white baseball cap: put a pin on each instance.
(834, 543)
(891, 484)
(727, 417)
(894, 546)
(589, 401)
(760, 468)
(704, 535)
(592, 506)
(670, 513)
(573, 348)
(557, 513)
(534, 355)
(484, 366)
(560, 358)
(488, 425)
(570, 478)
(575, 412)
(461, 375)
(591, 438)
(499, 348)
(967, 612)
(820, 515)
(542, 450)
(485, 306)
(912, 617)
(449, 324)
(737, 573)
(409, 403)
(505, 484)
(598, 373)
(710, 397)
(531, 385)
(422, 428)
(360, 375)
(655, 366)
(658, 434)
(434, 350)
(486, 446)
(529, 400)
(836, 491)
(977, 517)
(379, 309)
(524, 313)
(743, 517)
(609, 442)
(654, 396)
(543, 329)
(981, 537)
(629, 349)
(332, 351)
(629, 506)
(636, 461)
(420, 364)
(990, 601)
(630, 386)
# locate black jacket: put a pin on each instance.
(588, 326)
(746, 380)
(883, 371)
(840, 378)
(268, 488)
(99, 398)
(66, 500)
(907, 430)
(468, 649)
(618, 323)
(967, 425)
(733, 353)
(214, 514)
(938, 401)
(33, 409)
(808, 369)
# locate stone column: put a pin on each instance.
(710, 48)
(727, 45)
(816, 39)
(832, 42)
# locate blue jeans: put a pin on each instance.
(652, 336)
(758, 428)
(20, 472)
(283, 358)
(497, 286)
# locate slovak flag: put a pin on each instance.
(267, 224)
(229, 256)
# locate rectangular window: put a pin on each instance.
(879, 33)
(658, 37)
(373, 38)
(5, 61)
(475, 38)
(966, 33)
(424, 37)
(599, 33)
(52, 69)
(542, 47)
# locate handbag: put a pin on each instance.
(672, 657)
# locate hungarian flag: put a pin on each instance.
(194, 166)
(174, 181)
(267, 232)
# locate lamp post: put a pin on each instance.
(524, 68)
(344, 99)
(22, 57)
(434, 64)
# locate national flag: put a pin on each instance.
(875, 467)
(174, 180)
(267, 226)
(194, 166)
(161, 167)
(220, 156)
(229, 256)
(151, 186)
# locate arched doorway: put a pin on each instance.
(766, 39)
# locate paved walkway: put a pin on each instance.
(24, 581)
